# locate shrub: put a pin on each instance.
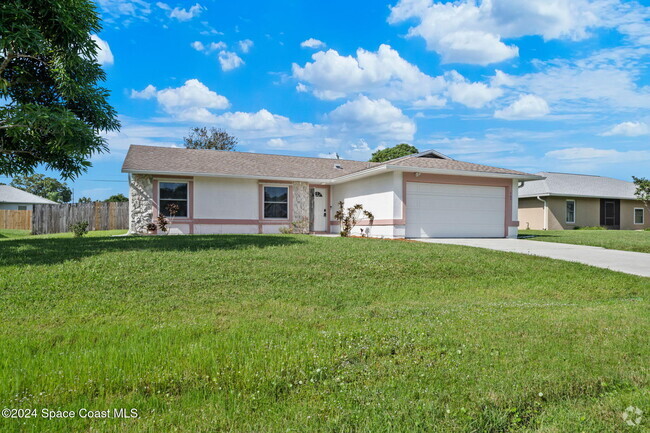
(590, 228)
(350, 217)
(300, 226)
(151, 227)
(162, 223)
(172, 209)
(79, 228)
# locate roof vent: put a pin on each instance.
(338, 166)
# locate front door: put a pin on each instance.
(320, 210)
(610, 213)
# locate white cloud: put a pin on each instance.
(186, 14)
(229, 60)
(104, 53)
(113, 9)
(473, 95)
(163, 6)
(526, 107)
(377, 117)
(213, 46)
(628, 129)
(589, 154)
(245, 45)
(301, 88)
(190, 102)
(466, 31)
(197, 45)
(312, 43)
(383, 74)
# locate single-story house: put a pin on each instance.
(422, 195)
(564, 201)
(16, 199)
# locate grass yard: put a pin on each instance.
(628, 240)
(298, 333)
(10, 233)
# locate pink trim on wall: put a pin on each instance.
(462, 180)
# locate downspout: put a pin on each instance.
(545, 212)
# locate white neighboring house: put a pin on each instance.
(421, 195)
(16, 199)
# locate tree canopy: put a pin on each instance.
(213, 138)
(119, 198)
(53, 110)
(42, 186)
(642, 190)
(389, 153)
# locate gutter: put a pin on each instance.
(545, 212)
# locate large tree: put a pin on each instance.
(42, 186)
(53, 110)
(213, 138)
(118, 198)
(389, 153)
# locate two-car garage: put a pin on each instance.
(450, 210)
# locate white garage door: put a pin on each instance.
(454, 211)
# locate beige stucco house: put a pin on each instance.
(16, 199)
(422, 195)
(564, 201)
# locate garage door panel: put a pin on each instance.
(439, 210)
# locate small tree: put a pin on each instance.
(117, 198)
(85, 200)
(393, 152)
(42, 186)
(214, 138)
(350, 217)
(642, 190)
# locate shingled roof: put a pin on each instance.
(180, 161)
(9, 194)
(578, 185)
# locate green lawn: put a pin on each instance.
(10, 234)
(628, 240)
(298, 333)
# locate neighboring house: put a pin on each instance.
(422, 195)
(16, 199)
(564, 201)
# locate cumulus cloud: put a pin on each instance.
(198, 45)
(186, 14)
(467, 31)
(124, 9)
(229, 60)
(628, 129)
(382, 74)
(104, 53)
(526, 107)
(473, 95)
(312, 43)
(245, 45)
(192, 101)
(583, 154)
(377, 117)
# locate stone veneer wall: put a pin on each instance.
(301, 204)
(140, 203)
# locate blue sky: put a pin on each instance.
(535, 85)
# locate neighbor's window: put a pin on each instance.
(570, 211)
(638, 215)
(173, 192)
(22, 207)
(276, 202)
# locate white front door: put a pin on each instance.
(321, 203)
(454, 211)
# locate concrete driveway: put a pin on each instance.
(621, 261)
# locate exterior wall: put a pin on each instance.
(301, 204)
(627, 215)
(225, 198)
(513, 227)
(531, 214)
(140, 202)
(14, 206)
(381, 195)
(587, 212)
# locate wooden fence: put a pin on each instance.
(56, 218)
(15, 219)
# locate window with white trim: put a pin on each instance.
(638, 215)
(571, 211)
(276, 202)
(173, 193)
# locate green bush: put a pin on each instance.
(590, 228)
(79, 228)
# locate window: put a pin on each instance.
(571, 211)
(638, 215)
(173, 193)
(22, 207)
(276, 202)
